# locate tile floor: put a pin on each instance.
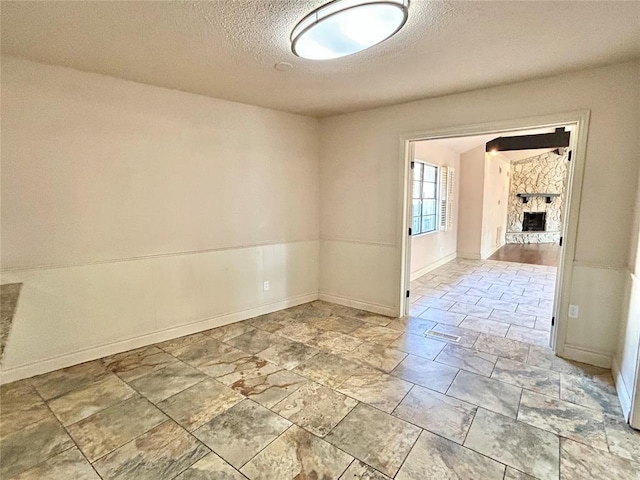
(464, 388)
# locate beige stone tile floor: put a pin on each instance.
(464, 388)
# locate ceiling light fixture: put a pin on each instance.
(343, 27)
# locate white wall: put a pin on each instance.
(361, 183)
(626, 366)
(495, 201)
(484, 193)
(472, 171)
(134, 213)
(432, 249)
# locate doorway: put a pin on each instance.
(557, 290)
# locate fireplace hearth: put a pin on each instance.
(534, 221)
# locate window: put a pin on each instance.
(425, 198)
(433, 196)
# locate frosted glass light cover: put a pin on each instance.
(345, 27)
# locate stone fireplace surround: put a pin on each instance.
(546, 173)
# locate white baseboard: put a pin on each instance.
(484, 256)
(67, 360)
(469, 256)
(579, 354)
(621, 388)
(359, 304)
(432, 266)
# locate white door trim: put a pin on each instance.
(574, 193)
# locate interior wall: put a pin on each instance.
(495, 201)
(484, 193)
(432, 249)
(71, 139)
(626, 366)
(361, 183)
(134, 213)
(472, 171)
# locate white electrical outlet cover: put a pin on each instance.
(573, 311)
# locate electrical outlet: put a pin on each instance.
(573, 311)
(265, 286)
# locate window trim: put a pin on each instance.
(437, 197)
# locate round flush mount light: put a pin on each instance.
(344, 27)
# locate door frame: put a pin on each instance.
(580, 121)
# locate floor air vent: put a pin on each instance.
(452, 338)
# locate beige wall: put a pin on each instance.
(134, 213)
(361, 184)
(627, 360)
(494, 204)
(484, 193)
(472, 171)
(431, 249)
(110, 169)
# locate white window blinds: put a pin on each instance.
(447, 196)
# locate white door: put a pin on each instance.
(409, 197)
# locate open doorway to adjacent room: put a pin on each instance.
(488, 232)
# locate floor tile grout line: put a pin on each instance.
(526, 362)
(409, 452)
(595, 410)
(44, 402)
(191, 465)
(519, 403)
(516, 421)
(75, 444)
(166, 420)
(207, 377)
(402, 400)
(176, 421)
(342, 419)
(266, 446)
(102, 411)
(466, 434)
(475, 451)
(494, 366)
(452, 382)
(106, 373)
(386, 413)
(50, 457)
(273, 440)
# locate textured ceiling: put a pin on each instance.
(228, 49)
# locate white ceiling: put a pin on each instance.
(228, 49)
(464, 144)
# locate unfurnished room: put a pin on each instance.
(319, 240)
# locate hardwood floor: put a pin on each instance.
(531, 253)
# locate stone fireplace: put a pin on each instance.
(537, 194)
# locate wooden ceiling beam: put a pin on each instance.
(557, 139)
